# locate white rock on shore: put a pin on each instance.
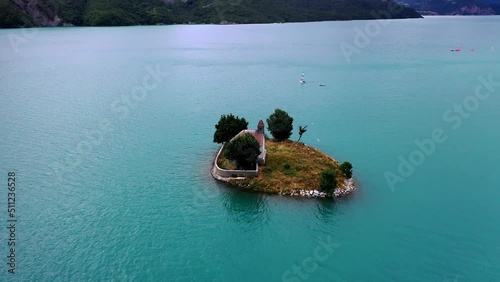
(349, 188)
(339, 192)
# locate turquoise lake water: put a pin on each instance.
(113, 179)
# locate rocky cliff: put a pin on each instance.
(44, 13)
(473, 10)
(25, 13)
(454, 7)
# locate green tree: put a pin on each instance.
(228, 127)
(12, 16)
(346, 168)
(302, 130)
(328, 181)
(245, 150)
(280, 124)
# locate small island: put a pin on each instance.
(249, 159)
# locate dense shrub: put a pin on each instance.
(245, 150)
(227, 127)
(328, 181)
(280, 124)
(346, 168)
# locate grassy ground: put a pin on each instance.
(290, 166)
(224, 163)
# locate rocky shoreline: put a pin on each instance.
(349, 187)
(339, 192)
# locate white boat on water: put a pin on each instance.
(302, 81)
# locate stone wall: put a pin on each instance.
(218, 172)
(262, 157)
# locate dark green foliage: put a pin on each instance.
(280, 124)
(244, 150)
(127, 12)
(150, 12)
(11, 16)
(72, 11)
(268, 11)
(346, 168)
(287, 166)
(455, 7)
(95, 12)
(227, 127)
(328, 181)
(302, 130)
